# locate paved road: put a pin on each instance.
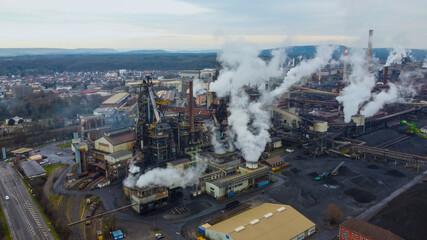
(24, 219)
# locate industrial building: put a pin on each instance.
(116, 100)
(356, 229)
(117, 164)
(115, 141)
(242, 179)
(32, 169)
(267, 221)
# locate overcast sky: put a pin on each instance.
(198, 24)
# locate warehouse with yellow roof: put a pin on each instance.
(267, 221)
(116, 100)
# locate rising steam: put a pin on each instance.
(249, 120)
(168, 177)
(218, 147)
(357, 96)
(396, 55)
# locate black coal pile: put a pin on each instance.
(360, 195)
(406, 214)
(345, 171)
(396, 173)
(364, 182)
(373, 166)
(295, 170)
(330, 181)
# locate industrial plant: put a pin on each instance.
(255, 148)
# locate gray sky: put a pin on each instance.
(191, 24)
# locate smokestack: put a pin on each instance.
(369, 53)
(385, 72)
(191, 107)
(344, 74)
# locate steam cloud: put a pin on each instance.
(218, 147)
(198, 88)
(249, 121)
(397, 55)
(167, 177)
(360, 83)
(357, 97)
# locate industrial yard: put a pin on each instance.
(227, 153)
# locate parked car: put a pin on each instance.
(60, 153)
(159, 236)
(7, 197)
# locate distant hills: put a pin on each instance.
(293, 51)
(16, 52)
(13, 52)
(48, 60)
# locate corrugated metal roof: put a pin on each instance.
(122, 137)
(120, 154)
(285, 224)
(21, 150)
(32, 169)
(116, 98)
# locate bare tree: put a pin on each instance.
(334, 214)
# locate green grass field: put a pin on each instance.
(51, 167)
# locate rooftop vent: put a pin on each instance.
(239, 229)
(268, 215)
(254, 221)
(281, 209)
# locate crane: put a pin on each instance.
(334, 172)
(413, 129)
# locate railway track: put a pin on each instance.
(74, 210)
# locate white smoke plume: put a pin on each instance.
(168, 177)
(171, 176)
(380, 99)
(396, 55)
(357, 96)
(198, 88)
(360, 83)
(249, 121)
(134, 169)
(218, 147)
(305, 68)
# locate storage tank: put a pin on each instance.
(358, 119)
(320, 126)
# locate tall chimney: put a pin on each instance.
(369, 53)
(344, 74)
(385, 73)
(191, 107)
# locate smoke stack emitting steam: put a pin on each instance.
(249, 121)
(357, 96)
(369, 52)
